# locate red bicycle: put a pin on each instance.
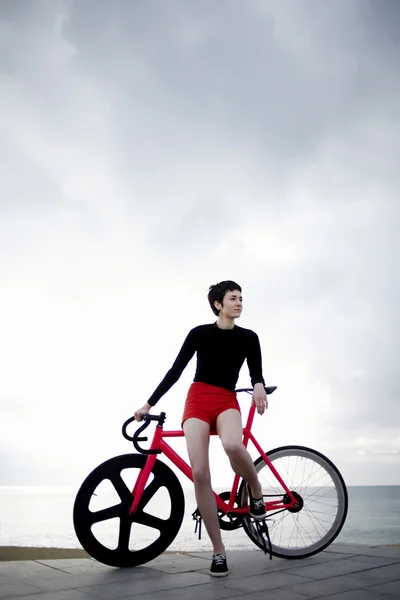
(305, 495)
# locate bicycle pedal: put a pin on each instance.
(263, 531)
(199, 519)
(262, 527)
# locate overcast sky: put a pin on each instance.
(149, 149)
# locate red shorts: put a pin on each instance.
(206, 402)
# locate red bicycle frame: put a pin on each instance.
(158, 443)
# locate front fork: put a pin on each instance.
(141, 482)
(144, 474)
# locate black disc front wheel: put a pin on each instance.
(102, 519)
(322, 500)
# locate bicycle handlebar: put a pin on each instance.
(135, 439)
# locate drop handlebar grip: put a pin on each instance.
(135, 438)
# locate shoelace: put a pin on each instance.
(258, 503)
(219, 559)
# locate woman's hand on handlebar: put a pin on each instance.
(142, 411)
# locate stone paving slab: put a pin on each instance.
(341, 571)
(364, 594)
(342, 583)
(392, 589)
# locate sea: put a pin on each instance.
(42, 517)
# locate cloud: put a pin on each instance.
(147, 155)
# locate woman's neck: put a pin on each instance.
(224, 323)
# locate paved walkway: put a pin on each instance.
(341, 572)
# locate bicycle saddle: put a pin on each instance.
(270, 389)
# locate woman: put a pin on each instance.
(211, 405)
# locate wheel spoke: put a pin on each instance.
(317, 521)
(149, 492)
(316, 498)
(105, 514)
(311, 515)
(150, 521)
(124, 534)
(306, 480)
(300, 527)
(121, 488)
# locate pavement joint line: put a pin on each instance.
(201, 557)
(51, 566)
(368, 585)
(355, 589)
(397, 562)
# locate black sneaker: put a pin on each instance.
(219, 567)
(257, 506)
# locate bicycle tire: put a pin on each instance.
(122, 555)
(299, 452)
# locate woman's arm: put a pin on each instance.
(254, 362)
(185, 355)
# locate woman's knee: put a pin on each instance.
(197, 434)
(233, 448)
(201, 475)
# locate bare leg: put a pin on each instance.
(229, 428)
(197, 434)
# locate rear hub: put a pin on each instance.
(295, 507)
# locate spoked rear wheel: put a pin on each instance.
(321, 492)
(101, 516)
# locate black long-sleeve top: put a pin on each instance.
(220, 356)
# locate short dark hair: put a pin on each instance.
(217, 292)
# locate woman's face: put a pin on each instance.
(232, 305)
